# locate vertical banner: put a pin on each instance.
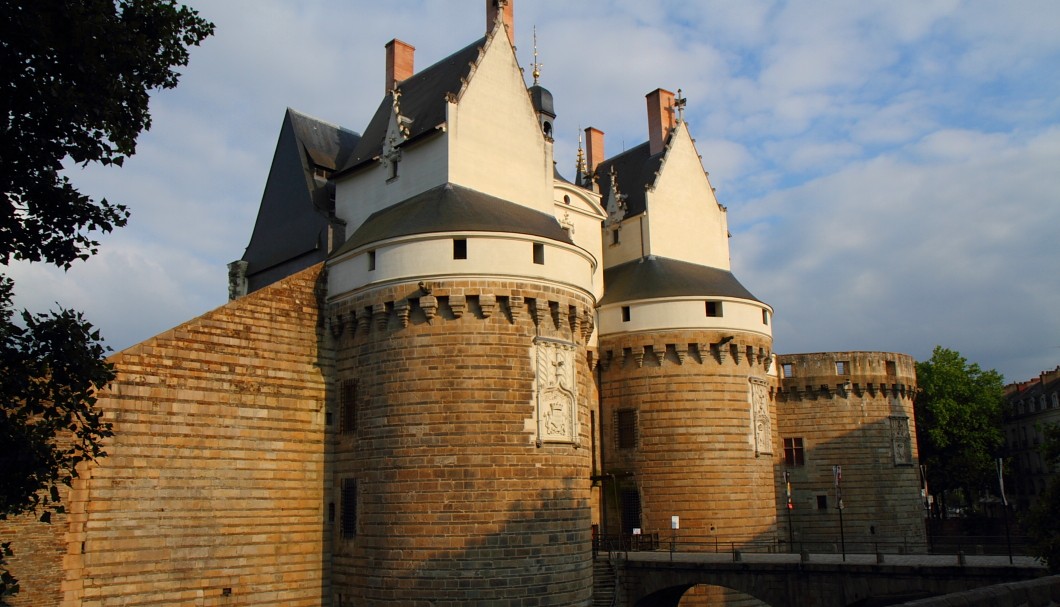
(1001, 480)
(837, 474)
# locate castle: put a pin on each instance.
(444, 368)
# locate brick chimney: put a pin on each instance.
(661, 118)
(399, 57)
(506, 8)
(594, 149)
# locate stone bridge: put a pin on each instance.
(659, 579)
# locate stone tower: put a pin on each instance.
(686, 363)
(462, 306)
(853, 410)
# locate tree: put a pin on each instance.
(958, 418)
(75, 77)
(1042, 523)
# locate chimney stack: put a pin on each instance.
(661, 118)
(506, 9)
(594, 149)
(399, 57)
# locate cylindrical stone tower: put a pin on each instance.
(853, 410)
(687, 381)
(463, 392)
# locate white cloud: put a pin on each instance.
(889, 168)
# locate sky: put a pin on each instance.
(891, 169)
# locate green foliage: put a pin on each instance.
(1041, 522)
(75, 78)
(75, 81)
(958, 419)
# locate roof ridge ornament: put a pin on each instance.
(679, 105)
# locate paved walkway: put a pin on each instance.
(909, 560)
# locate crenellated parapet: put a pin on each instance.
(750, 353)
(829, 375)
(382, 311)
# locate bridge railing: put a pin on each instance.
(879, 545)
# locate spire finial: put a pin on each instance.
(537, 66)
(679, 103)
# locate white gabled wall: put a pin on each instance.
(683, 218)
(422, 166)
(579, 210)
(495, 142)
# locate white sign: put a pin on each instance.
(636, 531)
(675, 522)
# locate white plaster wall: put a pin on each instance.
(683, 216)
(583, 211)
(488, 255)
(632, 242)
(422, 167)
(685, 313)
(495, 143)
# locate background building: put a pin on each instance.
(1030, 407)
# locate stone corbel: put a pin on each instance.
(605, 360)
(381, 316)
(574, 320)
(553, 309)
(429, 305)
(587, 324)
(680, 352)
(337, 325)
(638, 356)
(537, 311)
(364, 319)
(488, 304)
(516, 305)
(457, 304)
(735, 353)
(402, 308)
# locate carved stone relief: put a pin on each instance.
(761, 420)
(555, 388)
(901, 441)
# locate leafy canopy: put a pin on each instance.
(75, 81)
(958, 417)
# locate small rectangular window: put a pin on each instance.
(331, 512)
(842, 367)
(765, 317)
(794, 454)
(371, 261)
(789, 369)
(714, 309)
(539, 253)
(614, 236)
(892, 368)
(626, 428)
(348, 407)
(822, 502)
(625, 313)
(459, 248)
(349, 507)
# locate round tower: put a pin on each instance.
(853, 410)
(687, 383)
(463, 389)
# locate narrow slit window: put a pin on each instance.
(459, 248)
(539, 253)
(371, 261)
(349, 507)
(625, 313)
(348, 407)
(765, 317)
(615, 238)
(626, 426)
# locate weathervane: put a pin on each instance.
(581, 154)
(537, 66)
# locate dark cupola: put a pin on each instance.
(541, 98)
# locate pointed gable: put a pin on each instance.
(422, 102)
(295, 211)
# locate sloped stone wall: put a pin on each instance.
(213, 489)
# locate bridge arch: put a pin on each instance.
(699, 595)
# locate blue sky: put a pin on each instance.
(891, 169)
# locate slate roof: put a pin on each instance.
(659, 277)
(422, 99)
(634, 169)
(296, 205)
(453, 208)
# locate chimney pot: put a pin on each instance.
(661, 118)
(506, 10)
(399, 62)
